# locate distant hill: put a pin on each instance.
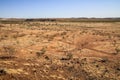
(61, 19)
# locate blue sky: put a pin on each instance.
(59, 8)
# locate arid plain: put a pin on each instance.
(59, 50)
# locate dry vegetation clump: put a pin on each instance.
(41, 52)
(84, 42)
(8, 49)
(67, 56)
(117, 49)
(7, 52)
(2, 72)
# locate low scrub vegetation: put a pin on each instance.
(60, 49)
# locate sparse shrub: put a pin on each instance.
(81, 45)
(114, 42)
(63, 37)
(17, 42)
(21, 35)
(47, 58)
(7, 52)
(63, 33)
(4, 57)
(10, 50)
(117, 50)
(68, 56)
(41, 52)
(118, 68)
(18, 35)
(84, 42)
(104, 59)
(2, 72)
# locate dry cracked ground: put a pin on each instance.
(60, 51)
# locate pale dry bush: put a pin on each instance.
(8, 50)
(41, 52)
(84, 41)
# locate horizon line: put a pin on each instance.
(51, 17)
